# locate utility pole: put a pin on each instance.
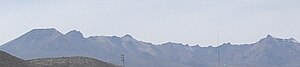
(218, 57)
(123, 60)
(218, 51)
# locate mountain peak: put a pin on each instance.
(127, 35)
(271, 39)
(269, 36)
(292, 40)
(42, 32)
(74, 33)
(228, 43)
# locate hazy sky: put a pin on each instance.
(158, 21)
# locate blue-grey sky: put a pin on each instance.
(185, 21)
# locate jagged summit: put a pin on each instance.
(228, 43)
(269, 36)
(128, 37)
(271, 39)
(292, 40)
(74, 33)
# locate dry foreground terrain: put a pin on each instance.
(7, 60)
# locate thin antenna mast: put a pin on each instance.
(218, 51)
(123, 60)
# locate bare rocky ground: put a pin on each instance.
(70, 62)
(7, 60)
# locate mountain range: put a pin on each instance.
(46, 43)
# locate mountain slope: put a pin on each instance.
(274, 52)
(71, 44)
(70, 62)
(7, 60)
(31, 42)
